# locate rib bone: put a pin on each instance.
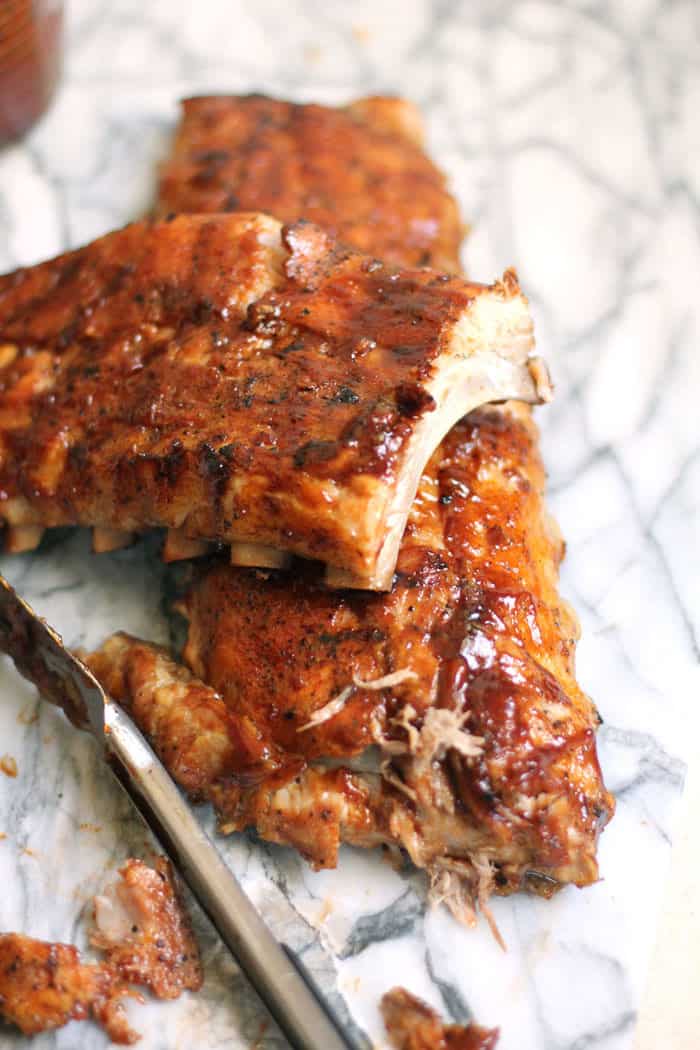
(104, 540)
(178, 546)
(21, 538)
(257, 555)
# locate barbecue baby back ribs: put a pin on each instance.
(459, 684)
(443, 718)
(473, 629)
(358, 171)
(245, 383)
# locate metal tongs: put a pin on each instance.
(274, 971)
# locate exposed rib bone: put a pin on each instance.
(20, 538)
(339, 579)
(104, 540)
(258, 555)
(178, 546)
(474, 378)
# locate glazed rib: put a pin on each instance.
(443, 718)
(358, 171)
(479, 644)
(478, 565)
(243, 383)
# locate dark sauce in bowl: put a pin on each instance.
(30, 61)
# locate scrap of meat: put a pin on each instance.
(44, 986)
(358, 171)
(144, 932)
(413, 1025)
(241, 382)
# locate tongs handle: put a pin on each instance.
(299, 1009)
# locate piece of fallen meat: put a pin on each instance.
(238, 381)
(144, 932)
(413, 1025)
(443, 717)
(359, 171)
(44, 986)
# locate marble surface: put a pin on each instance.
(670, 1010)
(570, 133)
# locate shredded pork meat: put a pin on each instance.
(144, 932)
(44, 986)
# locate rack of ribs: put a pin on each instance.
(242, 382)
(442, 717)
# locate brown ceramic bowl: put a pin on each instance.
(30, 56)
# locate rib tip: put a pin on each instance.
(105, 540)
(259, 556)
(341, 579)
(21, 538)
(178, 546)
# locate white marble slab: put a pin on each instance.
(570, 132)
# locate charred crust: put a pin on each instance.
(412, 399)
(171, 465)
(202, 312)
(263, 316)
(315, 452)
(345, 395)
(78, 456)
